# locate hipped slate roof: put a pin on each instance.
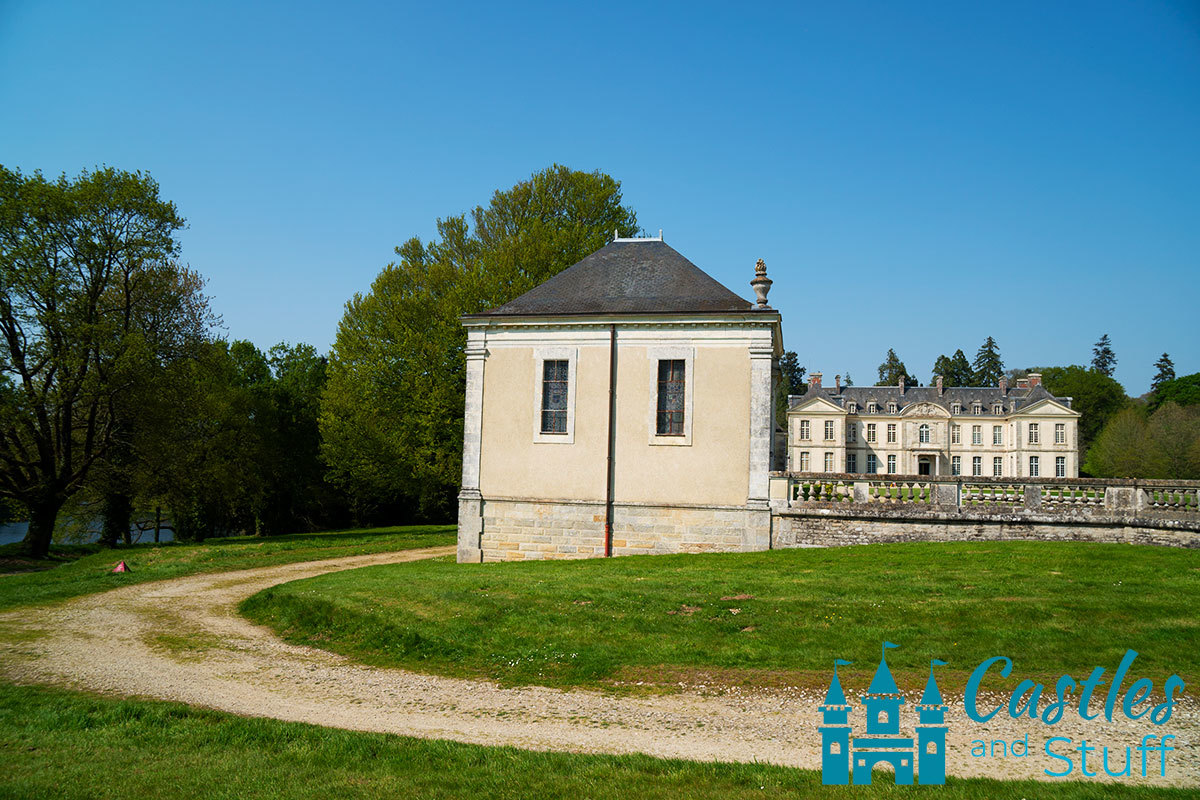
(626, 277)
(965, 396)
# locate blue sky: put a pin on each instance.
(916, 175)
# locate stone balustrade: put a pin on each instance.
(815, 509)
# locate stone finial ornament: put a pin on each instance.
(761, 283)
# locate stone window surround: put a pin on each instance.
(677, 353)
(540, 356)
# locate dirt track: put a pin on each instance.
(182, 640)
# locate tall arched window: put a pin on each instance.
(923, 433)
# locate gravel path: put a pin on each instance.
(182, 640)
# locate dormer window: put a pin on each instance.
(872, 408)
(977, 409)
(997, 409)
(891, 408)
(852, 407)
(956, 408)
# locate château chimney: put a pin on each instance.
(837, 381)
(1004, 387)
(1035, 379)
(941, 389)
(1022, 383)
(902, 386)
(814, 380)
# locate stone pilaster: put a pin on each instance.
(470, 501)
(761, 362)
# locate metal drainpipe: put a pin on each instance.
(612, 439)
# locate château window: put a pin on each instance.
(955, 434)
(872, 464)
(955, 408)
(1034, 467)
(956, 465)
(805, 429)
(891, 408)
(977, 409)
(872, 408)
(997, 467)
(1060, 433)
(851, 432)
(804, 461)
(1034, 436)
(870, 431)
(1060, 467)
(891, 433)
(852, 408)
(977, 466)
(923, 433)
(997, 409)
(671, 394)
(829, 462)
(891, 465)
(997, 435)
(829, 430)
(851, 462)
(976, 434)
(554, 396)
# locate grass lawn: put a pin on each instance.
(63, 745)
(763, 618)
(84, 570)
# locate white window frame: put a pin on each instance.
(977, 466)
(1035, 467)
(687, 356)
(892, 408)
(891, 433)
(1060, 466)
(852, 408)
(871, 432)
(805, 461)
(872, 464)
(1035, 433)
(924, 433)
(891, 465)
(805, 433)
(998, 409)
(955, 434)
(851, 432)
(997, 436)
(956, 408)
(851, 463)
(540, 356)
(830, 431)
(829, 462)
(1060, 433)
(872, 408)
(977, 409)
(998, 467)
(956, 465)
(976, 434)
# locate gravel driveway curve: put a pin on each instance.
(183, 640)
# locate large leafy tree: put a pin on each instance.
(955, 370)
(988, 367)
(92, 303)
(1095, 396)
(891, 370)
(1104, 360)
(1164, 445)
(1184, 390)
(392, 411)
(1165, 372)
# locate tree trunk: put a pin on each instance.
(118, 514)
(157, 523)
(42, 517)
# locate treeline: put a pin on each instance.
(119, 401)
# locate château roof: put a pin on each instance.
(628, 276)
(835, 696)
(933, 695)
(883, 682)
(965, 396)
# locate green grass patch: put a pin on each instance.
(62, 745)
(776, 617)
(87, 569)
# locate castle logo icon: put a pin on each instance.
(844, 757)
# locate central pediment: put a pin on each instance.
(925, 410)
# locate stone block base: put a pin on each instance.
(516, 530)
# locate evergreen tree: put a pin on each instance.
(849, 380)
(988, 368)
(791, 382)
(1166, 372)
(1104, 360)
(891, 369)
(955, 370)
